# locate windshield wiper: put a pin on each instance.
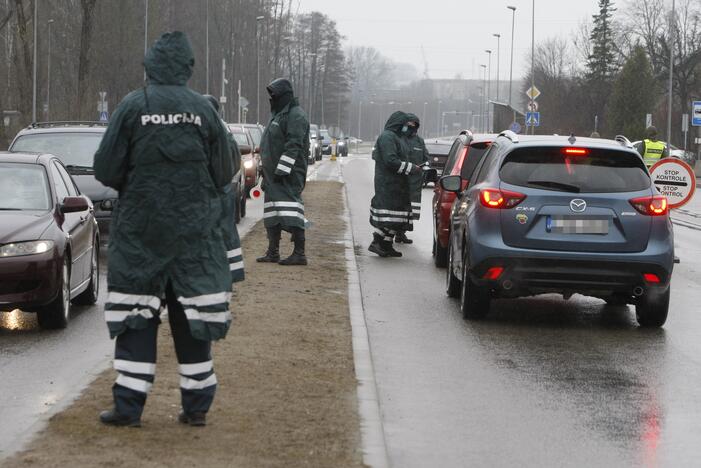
(10, 209)
(75, 167)
(555, 185)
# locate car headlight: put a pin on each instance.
(107, 205)
(248, 164)
(26, 248)
(340, 143)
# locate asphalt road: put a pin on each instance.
(541, 381)
(42, 371)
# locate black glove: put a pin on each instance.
(416, 169)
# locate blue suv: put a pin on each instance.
(548, 214)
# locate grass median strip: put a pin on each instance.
(287, 388)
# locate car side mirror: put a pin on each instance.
(74, 205)
(430, 175)
(452, 183)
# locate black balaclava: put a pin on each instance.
(280, 91)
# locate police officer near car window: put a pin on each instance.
(230, 232)
(390, 209)
(651, 149)
(417, 154)
(284, 149)
(167, 153)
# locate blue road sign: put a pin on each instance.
(515, 127)
(533, 119)
(696, 114)
(104, 117)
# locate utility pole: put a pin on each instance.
(489, 85)
(511, 67)
(206, 41)
(222, 98)
(239, 101)
(498, 36)
(48, 73)
(670, 96)
(258, 20)
(35, 26)
(145, 33)
(533, 58)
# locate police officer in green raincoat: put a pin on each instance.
(284, 149)
(390, 207)
(166, 152)
(417, 155)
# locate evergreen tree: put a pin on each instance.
(634, 95)
(601, 61)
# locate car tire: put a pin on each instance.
(89, 296)
(453, 285)
(474, 300)
(55, 315)
(440, 254)
(651, 309)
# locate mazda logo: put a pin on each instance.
(578, 205)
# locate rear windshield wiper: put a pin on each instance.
(74, 167)
(555, 185)
(10, 209)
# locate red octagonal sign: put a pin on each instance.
(674, 179)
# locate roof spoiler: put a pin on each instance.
(67, 123)
(510, 135)
(623, 141)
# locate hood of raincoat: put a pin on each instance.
(396, 121)
(281, 94)
(170, 61)
(414, 118)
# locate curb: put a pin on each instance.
(371, 428)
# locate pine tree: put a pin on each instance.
(601, 61)
(634, 95)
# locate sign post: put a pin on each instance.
(675, 180)
(102, 107)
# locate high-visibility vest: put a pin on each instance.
(653, 151)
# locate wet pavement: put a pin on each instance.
(541, 381)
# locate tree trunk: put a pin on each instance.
(88, 10)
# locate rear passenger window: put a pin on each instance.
(594, 171)
(474, 156)
(485, 164)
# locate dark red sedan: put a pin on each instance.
(49, 240)
(465, 153)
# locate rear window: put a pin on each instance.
(72, 148)
(597, 171)
(474, 156)
(438, 150)
(240, 138)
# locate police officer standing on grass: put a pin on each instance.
(284, 149)
(167, 154)
(651, 149)
(390, 209)
(417, 155)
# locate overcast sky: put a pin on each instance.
(453, 33)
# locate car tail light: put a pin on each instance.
(655, 205)
(500, 199)
(493, 273)
(651, 278)
(575, 151)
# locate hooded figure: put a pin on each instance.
(390, 207)
(167, 154)
(418, 155)
(284, 149)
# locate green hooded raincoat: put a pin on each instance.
(418, 154)
(390, 207)
(166, 152)
(284, 150)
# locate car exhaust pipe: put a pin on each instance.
(256, 192)
(507, 285)
(638, 291)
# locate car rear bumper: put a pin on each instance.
(528, 272)
(29, 281)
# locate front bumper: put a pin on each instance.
(29, 281)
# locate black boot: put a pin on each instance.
(377, 246)
(401, 238)
(273, 253)
(193, 419)
(112, 418)
(387, 247)
(297, 257)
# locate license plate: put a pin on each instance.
(573, 225)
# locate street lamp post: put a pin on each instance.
(483, 94)
(206, 42)
(145, 33)
(498, 36)
(533, 58)
(423, 116)
(34, 66)
(511, 67)
(48, 71)
(258, 20)
(672, 27)
(489, 86)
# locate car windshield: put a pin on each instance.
(240, 138)
(23, 187)
(72, 148)
(590, 171)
